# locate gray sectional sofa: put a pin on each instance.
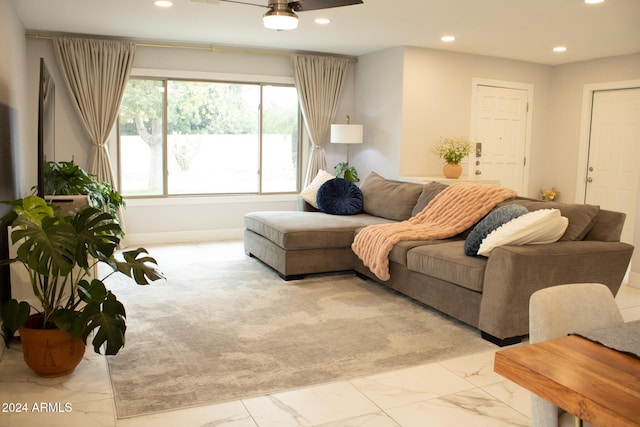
(489, 293)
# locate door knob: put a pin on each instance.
(589, 179)
(478, 172)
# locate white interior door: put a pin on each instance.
(613, 175)
(501, 130)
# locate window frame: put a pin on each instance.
(207, 77)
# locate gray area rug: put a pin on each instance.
(225, 326)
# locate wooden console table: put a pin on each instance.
(593, 382)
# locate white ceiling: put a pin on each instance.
(517, 29)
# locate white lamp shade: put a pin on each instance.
(346, 134)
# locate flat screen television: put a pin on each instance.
(46, 123)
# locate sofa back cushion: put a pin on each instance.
(581, 217)
(429, 191)
(608, 226)
(389, 199)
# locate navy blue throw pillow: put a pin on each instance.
(339, 197)
(490, 222)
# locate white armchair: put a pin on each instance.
(557, 311)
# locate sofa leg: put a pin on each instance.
(361, 276)
(502, 342)
(291, 276)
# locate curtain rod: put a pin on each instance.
(209, 48)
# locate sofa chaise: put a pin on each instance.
(490, 293)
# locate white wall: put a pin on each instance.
(13, 84)
(408, 98)
(567, 85)
(13, 119)
(379, 107)
(420, 95)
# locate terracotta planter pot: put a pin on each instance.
(452, 170)
(49, 352)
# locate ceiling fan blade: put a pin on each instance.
(305, 5)
(229, 1)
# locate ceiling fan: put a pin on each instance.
(281, 14)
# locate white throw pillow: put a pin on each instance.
(537, 227)
(309, 193)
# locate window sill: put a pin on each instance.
(209, 200)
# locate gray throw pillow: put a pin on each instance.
(489, 223)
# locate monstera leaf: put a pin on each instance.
(15, 313)
(141, 268)
(96, 235)
(104, 314)
(47, 248)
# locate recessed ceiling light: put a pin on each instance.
(322, 21)
(163, 3)
(559, 49)
(448, 38)
(593, 1)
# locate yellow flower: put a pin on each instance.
(549, 195)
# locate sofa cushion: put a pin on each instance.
(389, 199)
(537, 227)
(309, 194)
(294, 230)
(400, 250)
(339, 197)
(447, 261)
(581, 217)
(429, 191)
(490, 222)
(608, 226)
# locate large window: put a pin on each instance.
(180, 137)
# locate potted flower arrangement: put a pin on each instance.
(453, 150)
(59, 253)
(550, 194)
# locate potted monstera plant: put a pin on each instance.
(59, 252)
(69, 179)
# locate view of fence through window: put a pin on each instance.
(219, 138)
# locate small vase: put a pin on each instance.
(452, 170)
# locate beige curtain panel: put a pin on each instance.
(319, 81)
(96, 73)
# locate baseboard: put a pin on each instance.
(634, 280)
(139, 239)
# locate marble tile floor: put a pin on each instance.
(456, 392)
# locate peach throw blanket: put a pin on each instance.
(452, 211)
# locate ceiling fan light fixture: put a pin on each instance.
(280, 17)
